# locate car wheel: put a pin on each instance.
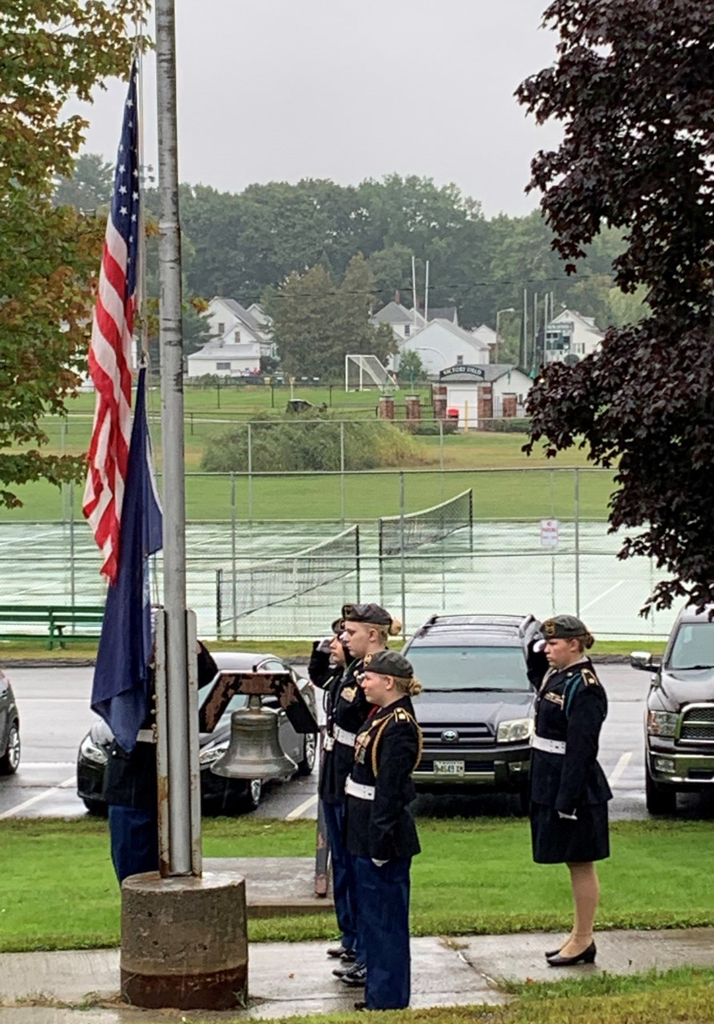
(250, 800)
(10, 761)
(309, 753)
(96, 807)
(659, 799)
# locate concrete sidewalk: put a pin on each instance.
(81, 987)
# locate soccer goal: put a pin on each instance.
(365, 371)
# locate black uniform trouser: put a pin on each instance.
(344, 882)
(383, 914)
(134, 836)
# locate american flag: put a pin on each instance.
(110, 348)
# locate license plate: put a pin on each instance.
(449, 767)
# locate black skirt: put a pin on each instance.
(557, 840)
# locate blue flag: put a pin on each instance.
(121, 692)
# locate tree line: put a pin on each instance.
(248, 245)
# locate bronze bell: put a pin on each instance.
(254, 751)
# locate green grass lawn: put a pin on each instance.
(473, 876)
(32, 648)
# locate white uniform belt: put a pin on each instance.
(550, 746)
(146, 736)
(342, 736)
(353, 788)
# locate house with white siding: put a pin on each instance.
(442, 343)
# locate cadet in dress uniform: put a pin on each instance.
(569, 791)
(379, 827)
(332, 668)
(130, 790)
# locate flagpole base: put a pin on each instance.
(184, 941)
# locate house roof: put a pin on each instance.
(241, 312)
(395, 313)
(215, 350)
(464, 335)
(442, 313)
(491, 372)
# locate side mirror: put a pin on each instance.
(644, 661)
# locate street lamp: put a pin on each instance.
(509, 310)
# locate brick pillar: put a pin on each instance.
(386, 407)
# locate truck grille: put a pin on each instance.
(471, 734)
(698, 724)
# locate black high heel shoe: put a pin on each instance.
(553, 952)
(586, 957)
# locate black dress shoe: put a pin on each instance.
(338, 952)
(356, 977)
(586, 957)
(360, 1005)
(343, 969)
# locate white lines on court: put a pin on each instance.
(46, 764)
(301, 808)
(600, 596)
(36, 799)
(620, 767)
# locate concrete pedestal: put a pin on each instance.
(184, 942)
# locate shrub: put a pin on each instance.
(509, 425)
(306, 442)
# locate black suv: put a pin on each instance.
(9, 729)
(479, 675)
(679, 728)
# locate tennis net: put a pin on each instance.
(275, 581)
(428, 525)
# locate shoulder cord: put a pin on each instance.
(380, 729)
(570, 690)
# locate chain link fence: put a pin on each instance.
(260, 563)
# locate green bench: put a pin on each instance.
(57, 618)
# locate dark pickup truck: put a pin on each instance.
(479, 675)
(679, 726)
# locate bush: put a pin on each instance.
(306, 442)
(510, 425)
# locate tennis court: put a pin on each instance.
(488, 567)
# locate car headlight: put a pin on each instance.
(91, 751)
(515, 731)
(662, 723)
(212, 752)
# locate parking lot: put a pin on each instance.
(55, 714)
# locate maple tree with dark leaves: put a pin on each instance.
(633, 84)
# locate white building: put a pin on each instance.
(225, 358)
(441, 344)
(571, 334)
(481, 392)
(228, 319)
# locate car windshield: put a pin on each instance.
(470, 668)
(693, 646)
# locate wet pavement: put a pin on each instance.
(55, 715)
(295, 978)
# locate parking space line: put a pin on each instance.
(620, 767)
(36, 799)
(47, 764)
(301, 808)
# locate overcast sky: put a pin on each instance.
(348, 89)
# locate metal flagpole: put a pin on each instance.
(182, 768)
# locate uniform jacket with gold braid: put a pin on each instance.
(388, 750)
(347, 707)
(570, 708)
